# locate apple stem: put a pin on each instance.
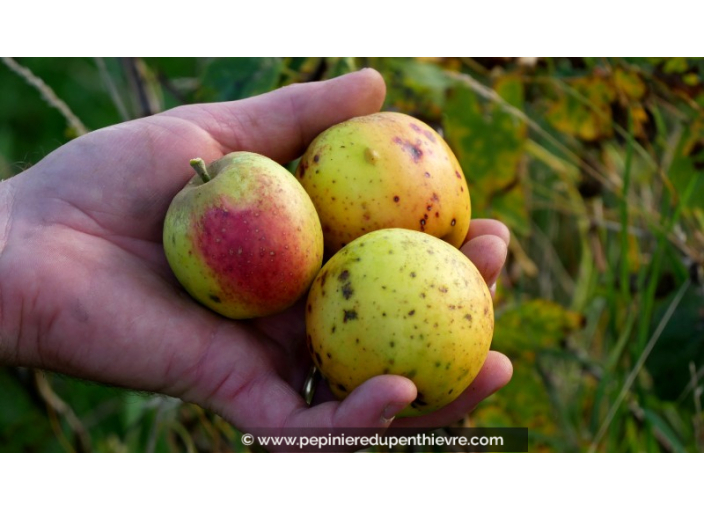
(199, 166)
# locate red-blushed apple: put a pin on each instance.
(243, 237)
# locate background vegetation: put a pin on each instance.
(597, 166)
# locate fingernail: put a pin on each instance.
(391, 410)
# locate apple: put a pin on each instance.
(403, 302)
(243, 237)
(385, 170)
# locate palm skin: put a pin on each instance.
(85, 288)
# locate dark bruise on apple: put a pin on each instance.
(243, 237)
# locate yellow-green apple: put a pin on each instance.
(381, 171)
(398, 301)
(243, 237)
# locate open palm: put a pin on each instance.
(85, 288)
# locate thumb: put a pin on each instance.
(281, 124)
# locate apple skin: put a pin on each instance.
(247, 243)
(385, 170)
(401, 302)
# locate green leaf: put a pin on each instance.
(524, 332)
(535, 324)
(414, 87)
(675, 65)
(524, 400)
(489, 144)
(228, 79)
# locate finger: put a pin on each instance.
(373, 404)
(488, 253)
(370, 408)
(282, 123)
(494, 375)
(152, 154)
(486, 227)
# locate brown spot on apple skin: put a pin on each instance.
(237, 246)
(347, 290)
(413, 149)
(427, 133)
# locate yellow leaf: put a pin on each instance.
(584, 108)
(629, 84)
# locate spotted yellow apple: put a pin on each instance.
(403, 302)
(385, 170)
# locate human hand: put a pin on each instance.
(85, 288)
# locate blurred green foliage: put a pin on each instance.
(596, 165)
